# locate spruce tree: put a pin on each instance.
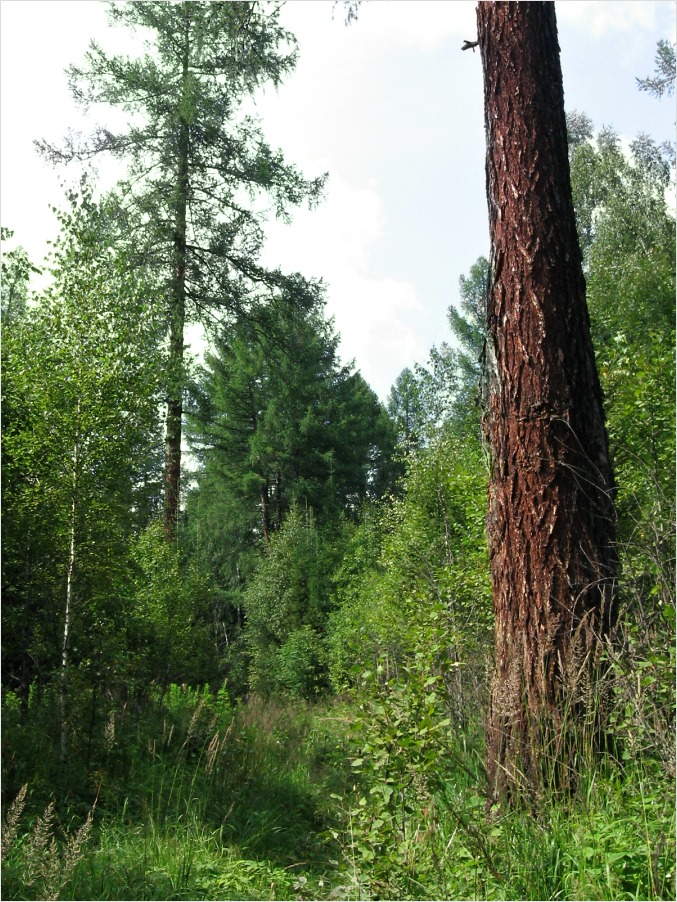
(279, 421)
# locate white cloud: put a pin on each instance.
(350, 218)
(598, 17)
(424, 25)
(373, 317)
(336, 242)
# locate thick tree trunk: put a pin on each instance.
(174, 425)
(551, 518)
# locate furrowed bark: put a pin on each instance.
(551, 517)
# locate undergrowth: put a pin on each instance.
(377, 797)
(196, 800)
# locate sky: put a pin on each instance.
(389, 106)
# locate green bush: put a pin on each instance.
(300, 663)
(430, 543)
(286, 605)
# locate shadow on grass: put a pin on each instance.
(193, 810)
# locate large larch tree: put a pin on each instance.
(551, 518)
(200, 171)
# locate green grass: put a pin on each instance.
(262, 803)
(178, 861)
(196, 804)
(613, 841)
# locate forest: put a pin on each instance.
(267, 637)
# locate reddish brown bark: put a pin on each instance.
(551, 520)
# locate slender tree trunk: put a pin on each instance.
(27, 627)
(278, 499)
(68, 612)
(174, 422)
(265, 509)
(177, 316)
(551, 518)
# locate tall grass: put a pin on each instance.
(35, 864)
(218, 803)
(268, 801)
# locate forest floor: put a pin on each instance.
(263, 802)
(240, 809)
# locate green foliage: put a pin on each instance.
(383, 799)
(446, 394)
(81, 372)
(300, 661)
(629, 248)
(278, 421)
(169, 630)
(16, 274)
(429, 545)
(201, 178)
(468, 326)
(407, 409)
(414, 829)
(402, 736)
(286, 605)
(387, 601)
(183, 701)
(604, 847)
(415, 826)
(663, 81)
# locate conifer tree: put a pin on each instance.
(468, 326)
(199, 167)
(280, 421)
(551, 517)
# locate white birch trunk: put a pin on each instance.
(68, 612)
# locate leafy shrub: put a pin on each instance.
(300, 663)
(169, 634)
(286, 605)
(430, 544)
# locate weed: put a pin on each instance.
(37, 865)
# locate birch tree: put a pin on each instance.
(81, 372)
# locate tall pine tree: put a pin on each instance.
(551, 518)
